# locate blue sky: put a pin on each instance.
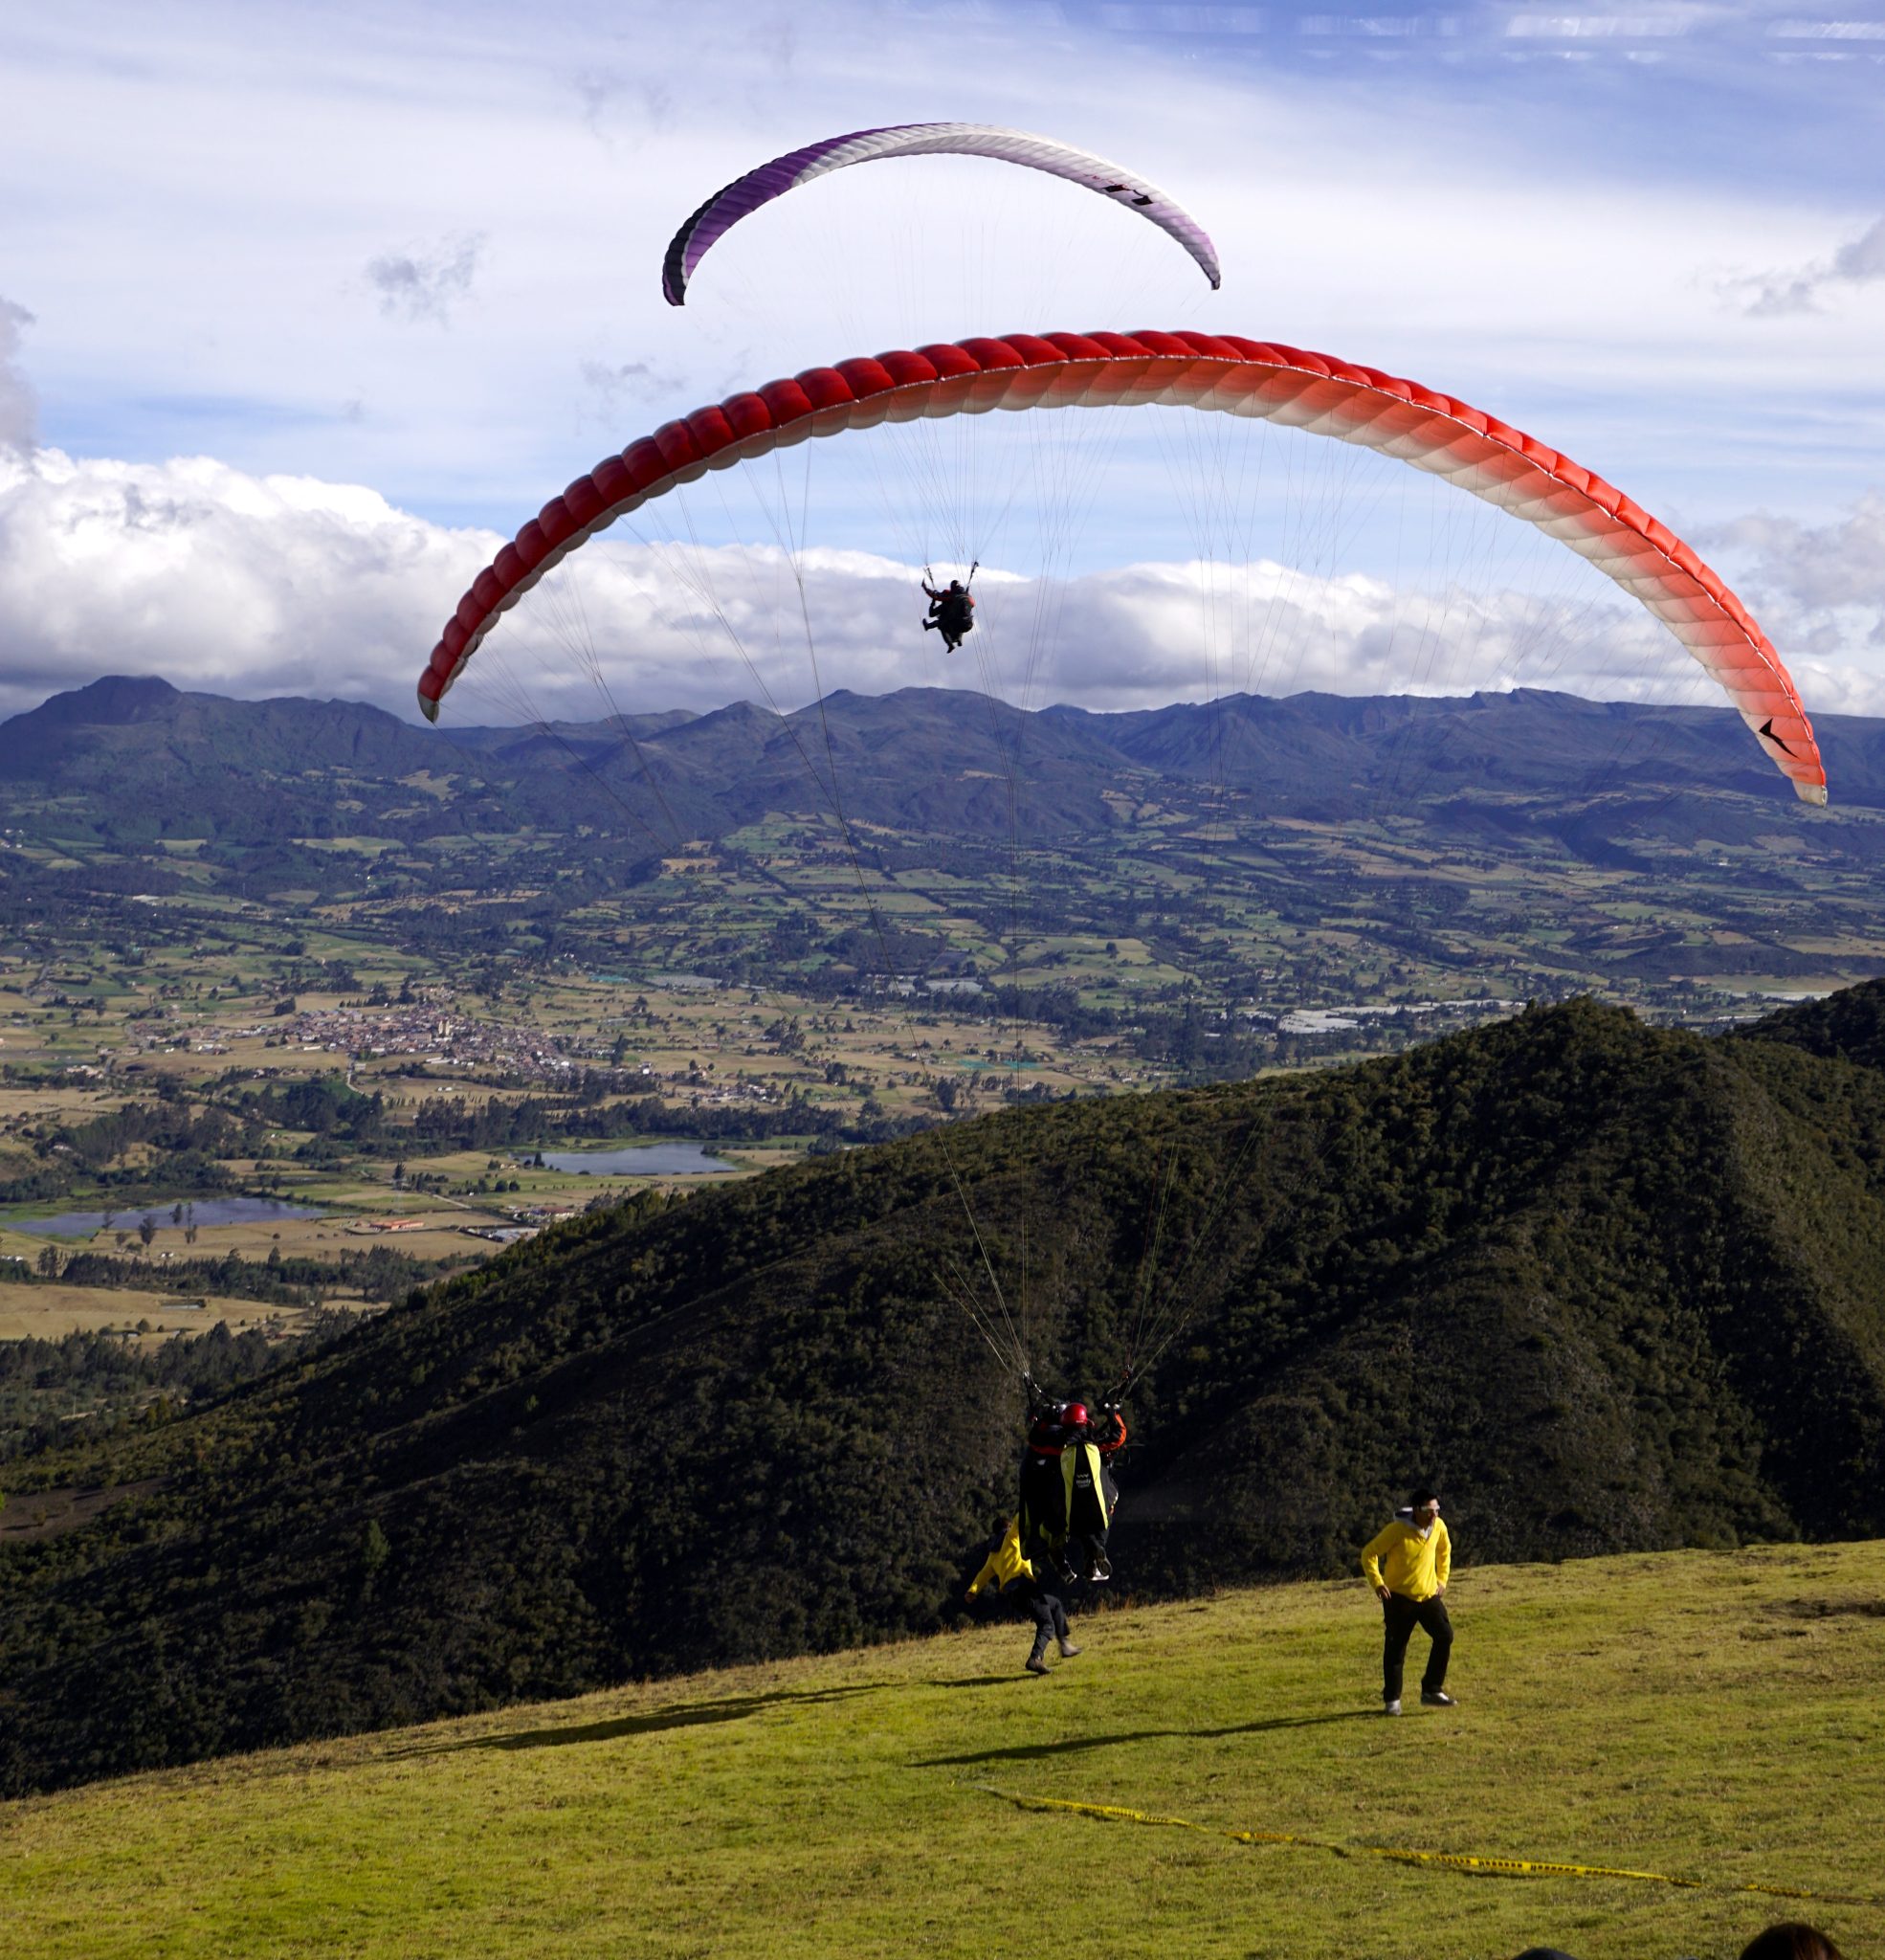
(301, 306)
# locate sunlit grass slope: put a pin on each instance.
(1708, 1716)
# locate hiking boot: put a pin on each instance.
(1067, 1648)
(1390, 1708)
(1101, 1569)
(1036, 1662)
(1436, 1698)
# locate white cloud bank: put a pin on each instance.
(214, 579)
(251, 586)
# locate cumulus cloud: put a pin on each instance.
(19, 408)
(416, 288)
(1840, 564)
(249, 585)
(215, 579)
(675, 624)
(1858, 262)
(1819, 586)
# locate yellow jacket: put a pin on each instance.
(1406, 1563)
(1005, 1563)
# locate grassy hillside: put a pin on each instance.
(1621, 1285)
(1703, 1716)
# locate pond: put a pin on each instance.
(124, 1218)
(640, 1160)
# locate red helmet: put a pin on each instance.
(1073, 1415)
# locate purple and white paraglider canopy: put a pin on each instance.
(744, 195)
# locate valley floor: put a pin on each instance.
(1707, 1718)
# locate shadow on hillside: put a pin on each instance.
(683, 1715)
(1023, 1752)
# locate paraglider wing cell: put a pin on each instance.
(744, 195)
(1221, 373)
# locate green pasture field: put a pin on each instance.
(128, 990)
(1704, 1717)
(362, 846)
(44, 1312)
(323, 1237)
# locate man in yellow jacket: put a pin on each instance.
(1408, 1565)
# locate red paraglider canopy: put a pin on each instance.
(1225, 373)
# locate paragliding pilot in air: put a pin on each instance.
(951, 611)
(1058, 1536)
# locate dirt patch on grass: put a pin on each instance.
(1830, 1608)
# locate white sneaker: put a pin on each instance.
(1390, 1708)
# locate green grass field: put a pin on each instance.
(1711, 1718)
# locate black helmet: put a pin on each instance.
(956, 585)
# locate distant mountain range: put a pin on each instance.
(1245, 834)
(928, 759)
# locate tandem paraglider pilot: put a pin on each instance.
(951, 612)
(1408, 1564)
(1057, 1537)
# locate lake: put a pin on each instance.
(125, 1218)
(640, 1160)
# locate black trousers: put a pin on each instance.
(1043, 1595)
(1050, 1614)
(1398, 1616)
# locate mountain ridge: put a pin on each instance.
(1348, 755)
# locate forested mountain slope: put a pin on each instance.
(1609, 1287)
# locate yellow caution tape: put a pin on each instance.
(1457, 1861)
